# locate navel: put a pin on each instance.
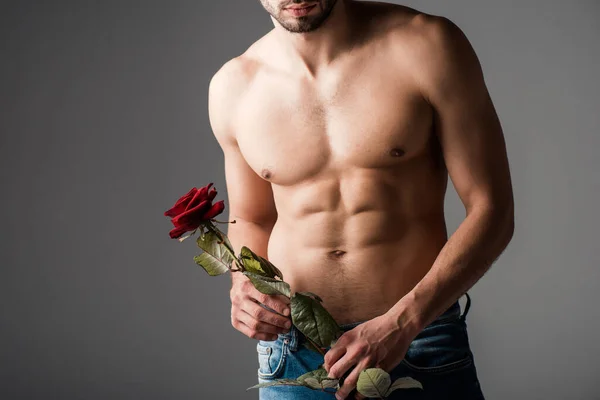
(336, 254)
(397, 152)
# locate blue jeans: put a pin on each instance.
(439, 357)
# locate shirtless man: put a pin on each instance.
(339, 129)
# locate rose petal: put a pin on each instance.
(200, 196)
(192, 216)
(204, 190)
(177, 232)
(211, 195)
(185, 222)
(215, 210)
(181, 204)
(184, 226)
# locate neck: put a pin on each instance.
(316, 49)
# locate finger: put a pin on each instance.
(262, 314)
(251, 333)
(339, 368)
(275, 302)
(282, 298)
(279, 303)
(333, 355)
(350, 381)
(259, 326)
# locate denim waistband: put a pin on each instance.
(292, 338)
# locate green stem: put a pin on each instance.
(223, 222)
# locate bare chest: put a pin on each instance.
(290, 131)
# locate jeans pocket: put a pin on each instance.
(271, 358)
(440, 348)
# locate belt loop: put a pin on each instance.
(292, 338)
(467, 306)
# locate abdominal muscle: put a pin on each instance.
(360, 255)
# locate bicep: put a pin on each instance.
(466, 122)
(250, 197)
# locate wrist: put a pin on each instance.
(406, 315)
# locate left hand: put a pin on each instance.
(379, 342)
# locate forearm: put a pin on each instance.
(254, 235)
(463, 260)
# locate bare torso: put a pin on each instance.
(355, 165)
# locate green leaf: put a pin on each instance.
(258, 265)
(314, 296)
(310, 346)
(318, 379)
(271, 268)
(373, 382)
(404, 383)
(312, 383)
(211, 264)
(311, 318)
(277, 382)
(209, 242)
(268, 285)
(329, 383)
(319, 374)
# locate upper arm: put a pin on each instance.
(250, 197)
(466, 121)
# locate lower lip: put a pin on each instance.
(299, 12)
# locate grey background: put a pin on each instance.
(103, 120)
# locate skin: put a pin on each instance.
(339, 135)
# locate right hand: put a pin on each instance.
(250, 318)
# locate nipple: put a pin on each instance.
(266, 173)
(396, 152)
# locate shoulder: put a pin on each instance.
(237, 74)
(412, 33)
(228, 88)
(395, 21)
(419, 32)
(224, 90)
(449, 64)
(440, 39)
(230, 81)
(433, 49)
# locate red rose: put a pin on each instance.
(193, 209)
